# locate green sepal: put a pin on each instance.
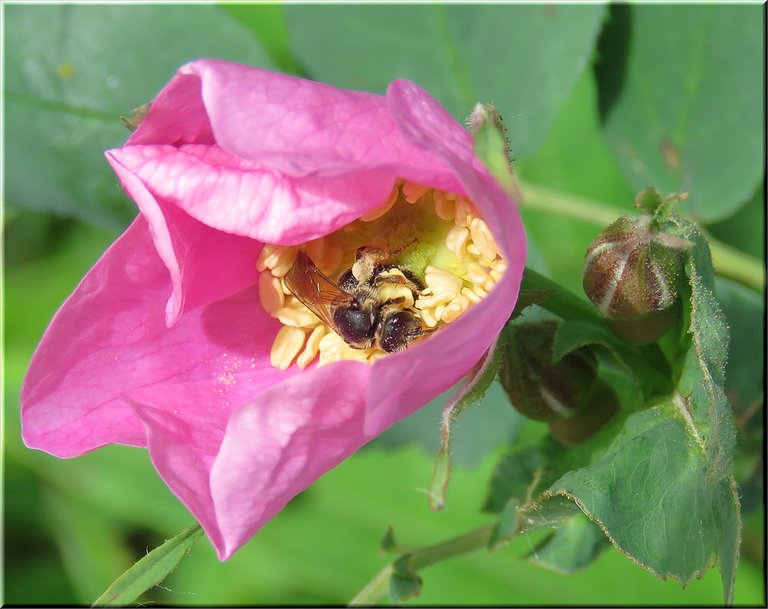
(150, 570)
(506, 526)
(404, 583)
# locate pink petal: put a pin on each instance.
(299, 127)
(230, 195)
(293, 160)
(176, 116)
(110, 337)
(279, 444)
(406, 381)
(185, 424)
(205, 265)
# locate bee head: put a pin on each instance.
(355, 324)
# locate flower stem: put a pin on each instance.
(422, 558)
(728, 261)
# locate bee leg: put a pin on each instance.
(381, 255)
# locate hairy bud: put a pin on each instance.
(631, 275)
(560, 393)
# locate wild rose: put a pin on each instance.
(169, 341)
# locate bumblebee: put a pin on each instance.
(370, 304)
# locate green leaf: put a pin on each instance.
(492, 147)
(267, 23)
(526, 298)
(388, 542)
(150, 570)
(649, 373)
(506, 527)
(404, 583)
(655, 496)
(512, 478)
(745, 229)
(66, 90)
(745, 313)
(524, 59)
(575, 544)
(471, 393)
(576, 133)
(648, 200)
(549, 513)
(689, 116)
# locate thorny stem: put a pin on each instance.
(422, 558)
(728, 261)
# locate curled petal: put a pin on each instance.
(404, 381)
(110, 338)
(277, 445)
(293, 159)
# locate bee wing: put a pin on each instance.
(314, 289)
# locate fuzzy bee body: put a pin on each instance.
(369, 306)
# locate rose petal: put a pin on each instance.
(299, 127)
(109, 337)
(230, 195)
(176, 116)
(205, 264)
(277, 445)
(321, 156)
(405, 381)
(185, 424)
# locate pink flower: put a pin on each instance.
(164, 344)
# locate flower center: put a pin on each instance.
(401, 271)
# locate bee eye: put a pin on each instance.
(355, 326)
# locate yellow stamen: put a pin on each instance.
(482, 238)
(456, 241)
(287, 345)
(297, 318)
(413, 192)
(459, 264)
(312, 348)
(445, 208)
(277, 259)
(470, 295)
(270, 293)
(455, 308)
(382, 209)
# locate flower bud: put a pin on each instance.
(587, 421)
(631, 275)
(561, 393)
(536, 387)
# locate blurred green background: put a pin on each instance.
(599, 103)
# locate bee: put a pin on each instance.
(358, 307)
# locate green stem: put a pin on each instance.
(422, 558)
(561, 302)
(728, 261)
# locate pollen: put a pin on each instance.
(441, 241)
